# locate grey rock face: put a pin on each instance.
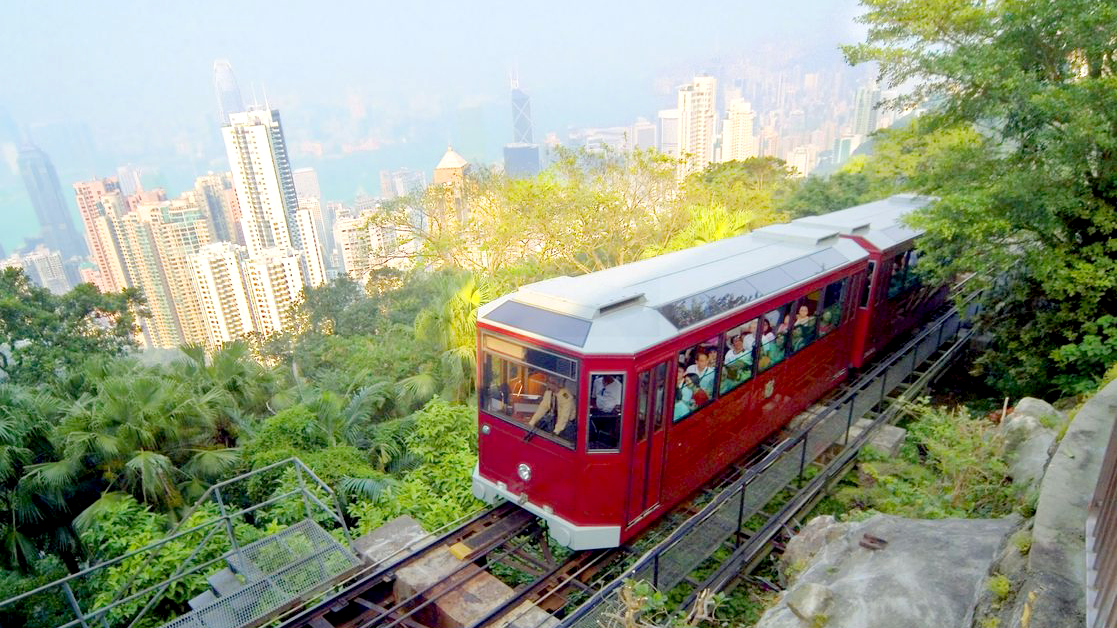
(1027, 443)
(809, 601)
(929, 574)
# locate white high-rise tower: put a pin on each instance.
(697, 123)
(263, 180)
(738, 141)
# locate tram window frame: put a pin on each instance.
(867, 287)
(778, 337)
(643, 387)
(838, 302)
(748, 328)
(500, 348)
(684, 361)
(807, 331)
(614, 419)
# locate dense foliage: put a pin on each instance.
(1020, 147)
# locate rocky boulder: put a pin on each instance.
(1029, 439)
(889, 571)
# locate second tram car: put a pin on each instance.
(608, 398)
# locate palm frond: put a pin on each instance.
(371, 489)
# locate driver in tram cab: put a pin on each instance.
(556, 410)
(607, 396)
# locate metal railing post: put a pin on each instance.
(73, 601)
(740, 515)
(849, 419)
(655, 571)
(302, 492)
(229, 529)
(802, 459)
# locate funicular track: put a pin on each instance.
(805, 464)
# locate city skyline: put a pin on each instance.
(348, 109)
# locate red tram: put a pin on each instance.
(608, 398)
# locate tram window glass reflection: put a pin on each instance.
(660, 396)
(516, 388)
(774, 328)
(897, 278)
(643, 382)
(697, 375)
(738, 362)
(831, 315)
(867, 288)
(804, 327)
(606, 403)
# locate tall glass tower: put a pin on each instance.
(41, 181)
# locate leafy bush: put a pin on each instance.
(949, 466)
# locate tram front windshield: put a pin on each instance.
(531, 387)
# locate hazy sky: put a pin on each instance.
(139, 74)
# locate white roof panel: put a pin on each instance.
(631, 307)
(878, 222)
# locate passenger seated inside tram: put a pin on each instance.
(703, 371)
(684, 397)
(738, 362)
(826, 321)
(556, 411)
(803, 332)
(699, 395)
(772, 351)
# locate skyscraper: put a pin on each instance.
(865, 109)
(669, 132)
(521, 156)
(218, 278)
(43, 267)
(306, 183)
(697, 105)
(41, 181)
(210, 196)
(643, 135)
(228, 92)
(99, 236)
(738, 140)
(275, 280)
(521, 115)
(263, 180)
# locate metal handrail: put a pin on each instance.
(226, 518)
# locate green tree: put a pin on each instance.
(42, 334)
(1020, 147)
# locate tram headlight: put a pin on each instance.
(524, 471)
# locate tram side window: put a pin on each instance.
(867, 289)
(831, 315)
(774, 328)
(605, 412)
(739, 352)
(805, 328)
(696, 377)
(524, 393)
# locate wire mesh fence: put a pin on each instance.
(230, 565)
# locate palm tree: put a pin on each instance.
(29, 519)
(451, 330)
(142, 433)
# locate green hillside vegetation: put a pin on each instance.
(374, 388)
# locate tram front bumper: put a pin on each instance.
(565, 533)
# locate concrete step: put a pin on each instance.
(203, 600)
(225, 582)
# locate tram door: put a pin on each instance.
(648, 441)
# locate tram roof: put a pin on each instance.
(877, 222)
(631, 307)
